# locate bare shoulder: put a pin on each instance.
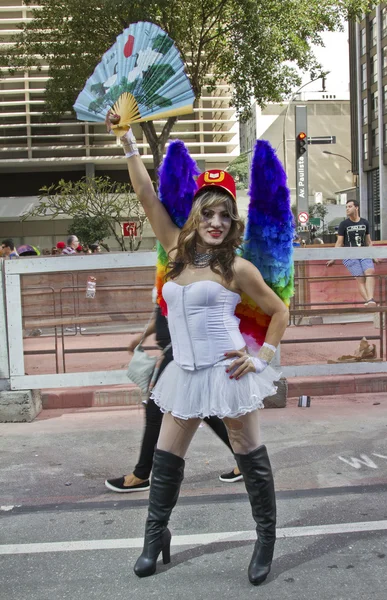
(243, 268)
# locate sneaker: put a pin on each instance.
(117, 485)
(231, 477)
(370, 302)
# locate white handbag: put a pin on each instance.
(142, 367)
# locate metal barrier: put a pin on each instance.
(300, 309)
(64, 307)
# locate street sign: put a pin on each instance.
(315, 221)
(322, 139)
(129, 229)
(303, 217)
(301, 133)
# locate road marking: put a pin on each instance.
(192, 540)
(379, 455)
(357, 463)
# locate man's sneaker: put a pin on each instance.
(231, 477)
(117, 485)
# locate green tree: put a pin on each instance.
(90, 229)
(110, 204)
(239, 169)
(319, 211)
(256, 46)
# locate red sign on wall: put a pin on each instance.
(130, 229)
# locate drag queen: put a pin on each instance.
(212, 372)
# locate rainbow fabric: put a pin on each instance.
(268, 240)
(177, 187)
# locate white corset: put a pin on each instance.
(202, 323)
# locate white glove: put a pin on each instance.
(129, 144)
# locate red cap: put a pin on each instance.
(61, 245)
(217, 178)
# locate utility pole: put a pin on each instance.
(301, 132)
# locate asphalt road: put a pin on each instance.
(64, 536)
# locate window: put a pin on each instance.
(384, 58)
(363, 42)
(375, 105)
(374, 68)
(365, 146)
(384, 21)
(373, 32)
(375, 142)
(365, 111)
(364, 76)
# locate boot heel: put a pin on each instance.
(166, 551)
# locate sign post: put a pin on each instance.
(302, 159)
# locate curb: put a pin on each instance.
(130, 395)
(337, 385)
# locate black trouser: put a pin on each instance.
(153, 419)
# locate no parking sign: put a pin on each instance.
(303, 218)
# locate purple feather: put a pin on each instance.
(177, 184)
(269, 233)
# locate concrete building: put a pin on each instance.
(330, 176)
(36, 151)
(368, 81)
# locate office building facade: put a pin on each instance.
(329, 165)
(368, 87)
(36, 151)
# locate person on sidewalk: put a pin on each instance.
(138, 480)
(8, 249)
(211, 371)
(354, 232)
(72, 245)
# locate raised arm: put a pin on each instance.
(165, 230)
(161, 223)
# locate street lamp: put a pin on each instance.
(321, 76)
(335, 154)
(341, 156)
(354, 177)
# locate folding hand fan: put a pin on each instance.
(140, 78)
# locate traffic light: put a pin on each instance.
(301, 142)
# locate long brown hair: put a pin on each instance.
(223, 255)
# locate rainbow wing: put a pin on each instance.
(177, 188)
(268, 240)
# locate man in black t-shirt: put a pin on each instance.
(354, 232)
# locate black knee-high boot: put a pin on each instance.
(259, 483)
(167, 475)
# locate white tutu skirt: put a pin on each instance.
(210, 392)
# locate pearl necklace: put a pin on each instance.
(202, 260)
